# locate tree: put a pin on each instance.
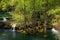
(44, 11)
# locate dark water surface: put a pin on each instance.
(10, 35)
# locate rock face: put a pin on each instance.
(5, 25)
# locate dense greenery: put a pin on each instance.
(36, 14)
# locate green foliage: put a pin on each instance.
(46, 11)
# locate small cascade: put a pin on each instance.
(13, 27)
(4, 19)
(55, 31)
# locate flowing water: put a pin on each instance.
(13, 35)
(4, 19)
(13, 26)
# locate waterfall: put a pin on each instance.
(4, 19)
(13, 26)
(54, 31)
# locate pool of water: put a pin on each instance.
(11, 35)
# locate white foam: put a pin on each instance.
(4, 19)
(55, 31)
(13, 26)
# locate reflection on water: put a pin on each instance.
(13, 35)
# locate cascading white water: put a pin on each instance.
(55, 31)
(13, 27)
(4, 19)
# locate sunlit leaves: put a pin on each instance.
(19, 18)
(20, 5)
(48, 8)
(3, 5)
(56, 13)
